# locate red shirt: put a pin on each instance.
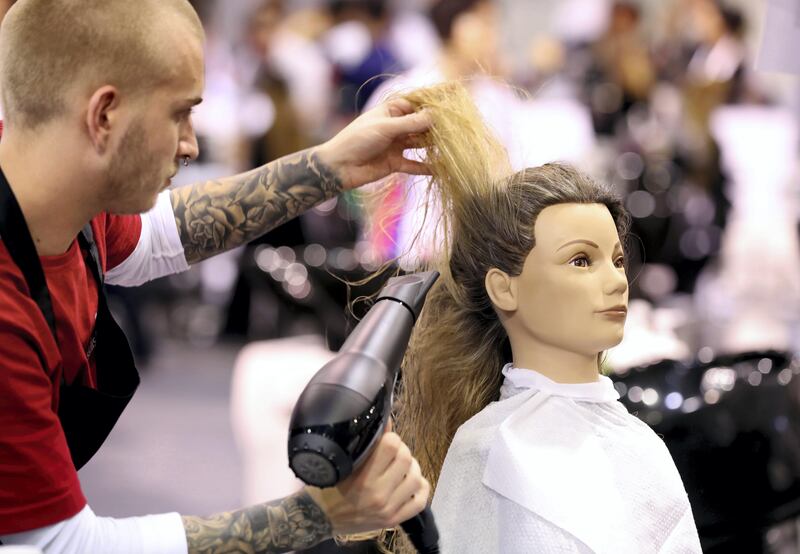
(38, 482)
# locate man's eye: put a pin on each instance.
(580, 261)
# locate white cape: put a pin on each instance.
(560, 468)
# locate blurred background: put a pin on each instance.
(689, 108)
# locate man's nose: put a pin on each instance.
(187, 145)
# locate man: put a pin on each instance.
(97, 97)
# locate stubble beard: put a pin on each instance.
(132, 179)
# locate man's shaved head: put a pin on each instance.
(50, 48)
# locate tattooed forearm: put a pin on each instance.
(219, 215)
(292, 523)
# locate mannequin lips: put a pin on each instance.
(616, 311)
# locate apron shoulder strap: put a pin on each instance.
(86, 239)
(18, 242)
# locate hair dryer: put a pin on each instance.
(346, 406)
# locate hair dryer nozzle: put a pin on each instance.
(410, 290)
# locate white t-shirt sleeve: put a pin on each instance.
(85, 532)
(159, 251)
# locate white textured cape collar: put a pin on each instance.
(601, 390)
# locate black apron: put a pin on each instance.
(87, 415)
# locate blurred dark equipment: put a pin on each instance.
(307, 288)
(346, 406)
(732, 426)
(126, 303)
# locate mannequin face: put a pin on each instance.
(573, 274)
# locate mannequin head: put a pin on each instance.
(569, 300)
(529, 261)
(517, 262)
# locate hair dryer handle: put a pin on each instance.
(421, 530)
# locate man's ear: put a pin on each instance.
(101, 115)
(502, 290)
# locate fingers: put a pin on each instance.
(387, 490)
(414, 505)
(412, 167)
(404, 487)
(397, 472)
(411, 496)
(414, 141)
(399, 106)
(384, 454)
(414, 123)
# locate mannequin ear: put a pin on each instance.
(502, 290)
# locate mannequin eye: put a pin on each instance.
(620, 262)
(580, 261)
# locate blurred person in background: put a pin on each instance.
(292, 69)
(715, 75)
(651, 102)
(285, 134)
(701, 71)
(70, 223)
(704, 55)
(621, 57)
(359, 48)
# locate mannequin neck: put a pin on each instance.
(555, 363)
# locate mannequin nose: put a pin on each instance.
(616, 281)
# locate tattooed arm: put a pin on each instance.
(292, 523)
(387, 489)
(219, 215)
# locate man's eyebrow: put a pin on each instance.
(582, 241)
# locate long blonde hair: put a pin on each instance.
(486, 220)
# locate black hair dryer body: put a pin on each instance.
(344, 409)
